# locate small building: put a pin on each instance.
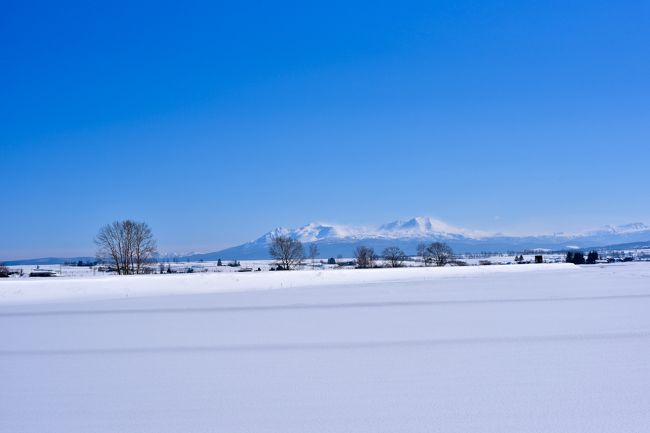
(42, 273)
(539, 259)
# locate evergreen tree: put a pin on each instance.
(592, 257)
(569, 257)
(578, 258)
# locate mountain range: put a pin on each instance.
(335, 239)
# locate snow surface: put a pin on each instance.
(57, 289)
(531, 348)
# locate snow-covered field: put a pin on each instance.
(177, 267)
(69, 271)
(526, 348)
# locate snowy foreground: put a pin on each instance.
(536, 348)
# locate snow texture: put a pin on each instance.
(548, 348)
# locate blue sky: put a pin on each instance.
(216, 122)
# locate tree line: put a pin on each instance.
(578, 258)
(129, 246)
(289, 253)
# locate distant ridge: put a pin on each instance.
(333, 239)
(336, 239)
(48, 261)
(628, 246)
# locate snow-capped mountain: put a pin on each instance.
(625, 228)
(334, 239)
(419, 227)
(426, 227)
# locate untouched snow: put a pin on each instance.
(60, 289)
(546, 348)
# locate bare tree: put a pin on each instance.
(440, 253)
(144, 246)
(129, 245)
(313, 253)
(394, 257)
(423, 251)
(109, 243)
(287, 251)
(365, 257)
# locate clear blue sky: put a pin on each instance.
(217, 122)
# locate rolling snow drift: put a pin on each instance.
(536, 349)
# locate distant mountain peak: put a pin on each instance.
(312, 232)
(427, 226)
(628, 228)
(334, 239)
(411, 228)
(623, 229)
(422, 227)
(418, 224)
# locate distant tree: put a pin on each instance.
(394, 257)
(331, 261)
(313, 253)
(423, 251)
(592, 257)
(440, 253)
(365, 257)
(219, 262)
(4, 271)
(569, 257)
(288, 252)
(128, 244)
(578, 258)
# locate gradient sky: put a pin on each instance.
(216, 122)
